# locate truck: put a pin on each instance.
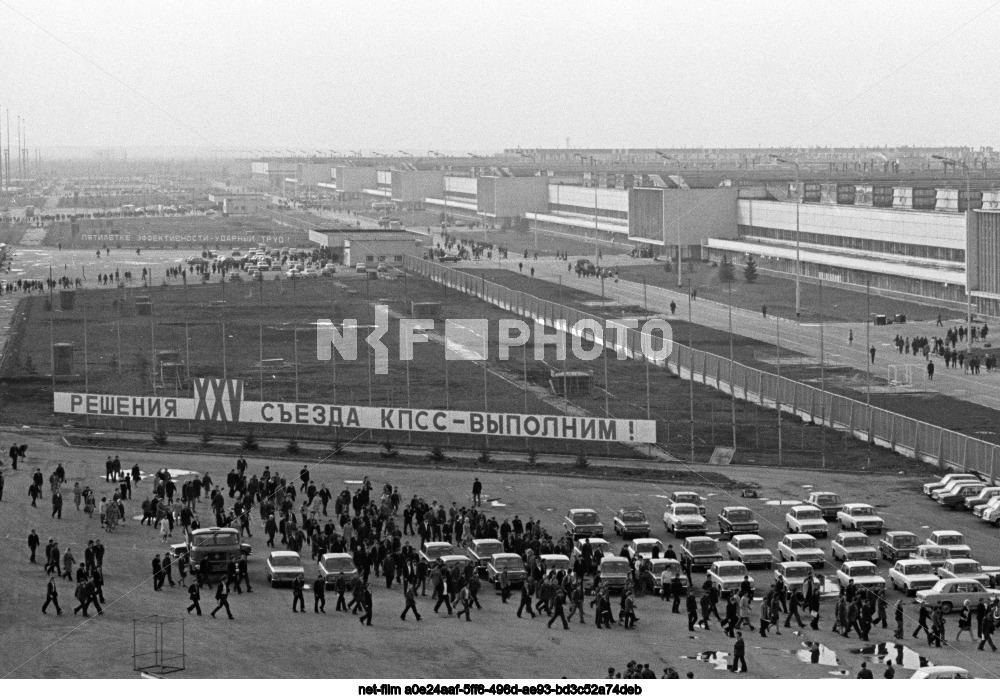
(210, 550)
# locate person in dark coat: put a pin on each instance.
(51, 597)
(319, 594)
(194, 594)
(33, 544)
(297, 597)
(739, 654)
(366, 603)
(222, 596)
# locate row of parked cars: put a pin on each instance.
(967, 491)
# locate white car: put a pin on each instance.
(863, 573)
(750, 550)
(690, 497)
(935, 555)
(984, 496)
(284, 567)
(337, 565)
(511, 562)
(432, 551)
(931, 488)
(684, 519)
(555, 561)
(952, 540)
(964, 568)
(801, 548)
(596, 544)
(853, 546)
(293, 273)
(727, 576)
(643, 548)
(952, 593)
(794, 573)
(942, 672)
(992, 504)
(806, 519)
(857, 516)
(912, 574)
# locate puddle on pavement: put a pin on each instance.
(817, 654)
(716, 658)
(354, 482)
(783, 502)
(808, 486)
(497, 503)
(900, 655)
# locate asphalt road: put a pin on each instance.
(268, 640)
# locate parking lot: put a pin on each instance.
(268, 640)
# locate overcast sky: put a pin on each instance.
(459, 76)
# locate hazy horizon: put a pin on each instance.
(220, 77)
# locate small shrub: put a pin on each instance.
(160, 437)
(532, 457)
(750, 271)
(435, 454)
(484, 456)
(250, 442)
(726, 271)
(338, 447)
(293, 446)
(206, 437)
(581, 461)
(389, 450)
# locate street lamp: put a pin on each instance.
(669, 157)
(798, 252)
(968, 210)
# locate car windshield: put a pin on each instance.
(633, 516)
(489, 548)
(951, 540)
(440, 550)
(338, 564)
(286, 561)
(739, 515)
(745, 544)
(855, 541)
(661, 564)
(863, 569)
(862, 511)
(614, 567)
(918, 569)
(508, 562)
(686, 510)
(967, 568)
(808, 513)
(647, 546)
(802, 543)
(585, 518)
(702, 547)
(905, 540)
(687, 497)
(215, 539)
(557, 563)
(827, 499)
(797, 572)
(729, 571)
(934, 552)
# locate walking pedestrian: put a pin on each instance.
(319, 594)
(739, 654)
(297, 597)
(51, 597)
(194, 594)
(222, 597)
(411, 602)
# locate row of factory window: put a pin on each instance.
(885, 247)
(383, 258)
(587, 211)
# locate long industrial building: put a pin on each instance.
(921, 242)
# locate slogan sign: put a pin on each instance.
(218, 400)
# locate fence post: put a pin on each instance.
(795, 398)
(892, 431)
(850, 419)
(940, 462)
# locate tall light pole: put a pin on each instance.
(798, 251)
(968, 220)
(667, 157)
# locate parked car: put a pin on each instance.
(360, 267)
(984, 496)
(511, 562)
(582, 522)
(964, 568)
(482, 551)
(727, 576)
(614, 571)
(750, 550)
(898, 544)
(946, 481)
(794, 573)
(672, 565)
(863, 573)
(690, 497)
(337, 565)
(806, 519)
(942, 672)
(952, 593)
(329, 269)
(992, 515)
(828, 503)
(643, 548)
(802, 548)
(702, 551)
(992, 503)
(952, 540)
(631, 522)
(684, 519)
(596, 544)
(284, 567)
(293, 273)
(737, 520)
(955, 496)
(431, 551)
(853, 546)
(935, 555)
(455, 560)
(448, 258)
(912, 574)
(858, 516)
(556, 562)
